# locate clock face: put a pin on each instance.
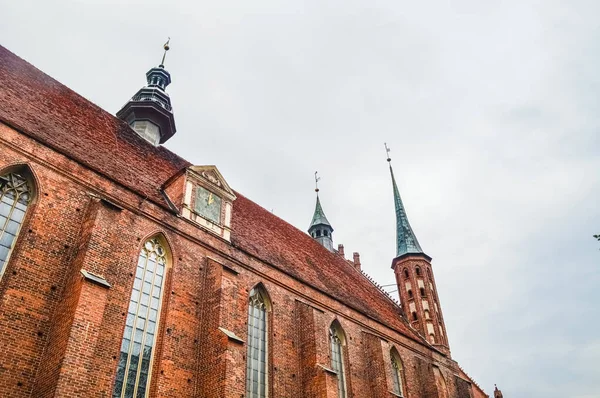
(208, 205)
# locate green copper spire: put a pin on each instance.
(406, 241)
(320, 228)
(319, 216)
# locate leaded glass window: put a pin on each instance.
(397, 373)
(15, 195)
(256, 361)
(139, 338)
(337, 359)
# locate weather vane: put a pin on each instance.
(166, 47)
(387, 151)
(317, 178)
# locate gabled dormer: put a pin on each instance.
(202, 196)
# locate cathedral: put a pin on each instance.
(126, 271)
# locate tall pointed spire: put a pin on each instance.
(320, 228)
(149, 111)
(406, 240)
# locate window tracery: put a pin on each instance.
(15, 196)
(397, 373)
(139, 337)
(337, 357)
(257, 358)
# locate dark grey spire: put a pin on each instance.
(149, 112)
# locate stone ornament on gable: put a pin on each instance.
(211, 177)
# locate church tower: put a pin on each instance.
(414, 277)
(320, 228)
(149, 111)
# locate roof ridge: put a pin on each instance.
(470, 378)
(378, 286)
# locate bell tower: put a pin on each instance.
(149, 111)
(414, 277)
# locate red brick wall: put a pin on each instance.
(60, 334)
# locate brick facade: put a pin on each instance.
(95, 205)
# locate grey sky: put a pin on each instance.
(490, 108)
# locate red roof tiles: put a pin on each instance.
(266, 236)
(51, 113)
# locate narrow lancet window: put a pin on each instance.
(336, 336)
(257, 358)
(397, 373)
(139, 338)
(15, 195)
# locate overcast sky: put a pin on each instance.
(490, 107)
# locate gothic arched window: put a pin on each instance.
(15, 195)
(139, 338)
(337, 339)
(258, 344)
(397, 372)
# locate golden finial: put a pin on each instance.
(166, 47)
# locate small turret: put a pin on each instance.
(149, 111)
(320, 228)
(497, 393)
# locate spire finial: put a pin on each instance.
(166, 47)
(317, 179)
(387, 152)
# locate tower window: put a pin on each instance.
(422, 290)
(406, 275)
(414, 315)
(410, 293)
(137, 346)
(257, 358)
(318, 233)
(418, 271)
(15, 195)
(427, 314)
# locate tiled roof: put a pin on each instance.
(39, 106)
(268, 237)
(51, 113)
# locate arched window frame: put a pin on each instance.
(418, 271)
(406, 274)
(337, 342)
(18, 194)
(120, 388)
(397, 373)
(257, 298)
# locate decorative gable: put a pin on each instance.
(208, 200)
